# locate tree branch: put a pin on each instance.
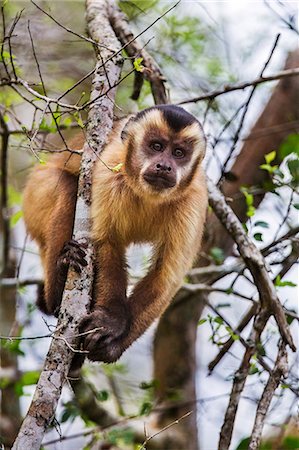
(4, 196)
(57, 364)
(280, 370)
(253, 260)
(242, 85)
(151, 71)
(260, 321)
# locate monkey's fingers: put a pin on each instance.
(104, 334)
(72, 255)
(73, 246)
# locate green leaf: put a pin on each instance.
(225, 305)
(15, 218)
(270, 157)
(4, 382)
(289, 146)
(262, 224)
(30, 377)
(137, 65)
(290, 443)
(217, 254)
(13, 346)
(145, 409)
(245, 227)
(14, 197)
(258, 237)
(249, 201)
(260, 349)
(244, 444)
(6, 56)
(70, 411)
(121, 436)
(78, 119)
(117, 168)
(111, 369)
(253, 369)
(218, 320)
(148, 385)
(44, 126)
(269, 168)
(289, 317)
(293, 165)
(280, 283)
(102, 396)
(133, 8)
(296, 205)
(250, 211)
(201, 321)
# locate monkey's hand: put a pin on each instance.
(71, 255)
(105, 331)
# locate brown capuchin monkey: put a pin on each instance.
(158, 196)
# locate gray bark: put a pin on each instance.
(77, 291)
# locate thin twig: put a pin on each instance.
(224, 349)
(4, 193)
(242, 85)
(175, 422)
(241, 122)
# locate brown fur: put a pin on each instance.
(125, 209)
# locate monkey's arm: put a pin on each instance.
(153, 293)
(149, 299)
(111, 316)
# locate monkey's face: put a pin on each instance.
(165, 147)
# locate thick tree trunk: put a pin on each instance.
(100, 120)
(175, 340)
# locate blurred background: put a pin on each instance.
(199, 46)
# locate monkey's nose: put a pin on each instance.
(163, 168)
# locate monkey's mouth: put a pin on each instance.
(159, 182)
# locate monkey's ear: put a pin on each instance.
(125, 131)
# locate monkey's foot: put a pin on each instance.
(105, 331)
(72, 255)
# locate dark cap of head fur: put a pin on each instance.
(175, 116)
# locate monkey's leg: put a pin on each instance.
(61, 251)
(111, 316)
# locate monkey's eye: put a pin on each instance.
(157, 146)
(178, 153)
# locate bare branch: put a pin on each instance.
(260, 321)
(280, 370)
(4, 195)
(242, 85)
(253, 259)
(151, 70)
